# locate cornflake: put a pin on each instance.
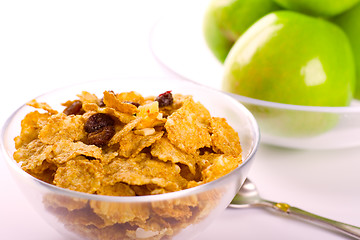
(188, 127)
(224, 138)
(80, 174)
(151, 150)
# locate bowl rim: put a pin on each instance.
(292, 107)
(133, 199)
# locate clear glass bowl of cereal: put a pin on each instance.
(131, 158)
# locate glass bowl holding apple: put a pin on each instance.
(296, 73)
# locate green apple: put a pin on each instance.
(288, 57)
(350, 23)
(225, 20)
(323, 8)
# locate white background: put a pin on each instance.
(49, 44)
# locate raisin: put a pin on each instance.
(165, 99)
(97, 122)
(74, 109)
(133, 103)
(101, 137)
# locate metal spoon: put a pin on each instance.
(248, 197)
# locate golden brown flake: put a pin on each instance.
(123, 117)
(179, 209)
(120, 212)
(142, 170)
(131, 144)
(131, 96)
(166, 151)
(65, 150)
(80, 175)
(224, 138)
(35, 104)
(33, 155)
(218, 165)
(118, 189)
(111, 100)
(187, 128)
(61, 201)
(61, 126)
(30, 127)
(86, 97)
(124, 131)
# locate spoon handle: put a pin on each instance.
(344, 228)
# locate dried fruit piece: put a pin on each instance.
(178, 100)
(100, 127)
(150, 116)
(165, 99)
(101, 137)
(97, 122)
(73, 108)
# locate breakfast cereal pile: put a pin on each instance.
(124, 144)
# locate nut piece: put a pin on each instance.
(145, 131)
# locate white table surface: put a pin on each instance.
(49, 44)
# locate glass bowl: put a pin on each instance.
(305, 127)
(178, 44)
(76, 215)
